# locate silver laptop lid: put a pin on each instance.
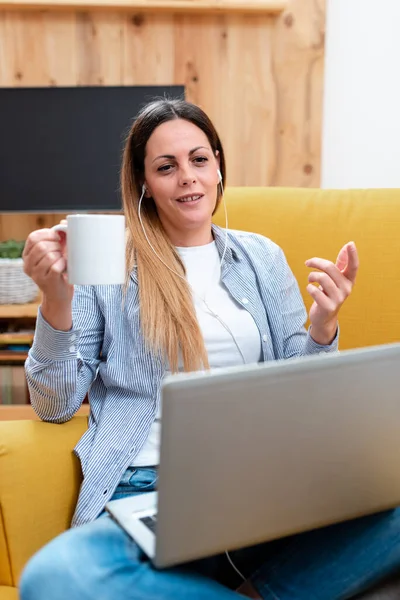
(258, 452)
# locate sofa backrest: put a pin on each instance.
(313, 222)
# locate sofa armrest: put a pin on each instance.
(39, 484)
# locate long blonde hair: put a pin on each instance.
(167, 315)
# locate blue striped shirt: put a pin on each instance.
(105, 353)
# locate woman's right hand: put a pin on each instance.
(45, 262)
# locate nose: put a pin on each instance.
(186, 176)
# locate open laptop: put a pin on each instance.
(253, 453)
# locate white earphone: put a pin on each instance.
(219, 175)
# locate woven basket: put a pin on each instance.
(15, 286)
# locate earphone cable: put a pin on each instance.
(224, 325)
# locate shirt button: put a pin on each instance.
(72, 337)
(265, 338)
(245, 301)
(72, 348)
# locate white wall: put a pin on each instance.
(361, 122)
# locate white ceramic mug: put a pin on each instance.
(95, 249)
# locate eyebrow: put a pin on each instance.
(171, 156)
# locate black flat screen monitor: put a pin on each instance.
(61, 148)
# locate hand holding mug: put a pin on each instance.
(45, 262)
(82, 250)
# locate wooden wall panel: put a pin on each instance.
(298, 52)
(149, 50)
(259, 77)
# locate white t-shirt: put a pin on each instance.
(203, 271)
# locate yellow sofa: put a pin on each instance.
(39, 476)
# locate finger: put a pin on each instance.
(39, 251)
(62, 238)
(342, 258)
(321, 299)
(326, 266)
(42, 269)
(327, 285)
(52, 259)
(58, 267)
(350, 271)
(339, 294)
(31, 240)
(41, 235)
(64, 275)
(346, 254)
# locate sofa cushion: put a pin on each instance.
(313, 222)
(39, 482)
(8, 593)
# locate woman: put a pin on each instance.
(185, 308)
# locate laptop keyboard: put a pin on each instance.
(150, 522)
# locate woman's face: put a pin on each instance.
(181, 176)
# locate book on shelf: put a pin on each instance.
(13, 388)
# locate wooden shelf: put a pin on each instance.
(190, 6)
(15, 339)
(8, 356)
(19, 311)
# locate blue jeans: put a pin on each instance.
(98, 561)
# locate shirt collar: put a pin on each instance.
(231, 253)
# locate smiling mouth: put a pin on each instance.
(193, 198)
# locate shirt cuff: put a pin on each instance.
(50, 344)
(313, 348)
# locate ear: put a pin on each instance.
(145, 189)
(218, 161)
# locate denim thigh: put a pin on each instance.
(136, 480)
(330, 563)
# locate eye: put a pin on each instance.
(200, 159)
(164, 168)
